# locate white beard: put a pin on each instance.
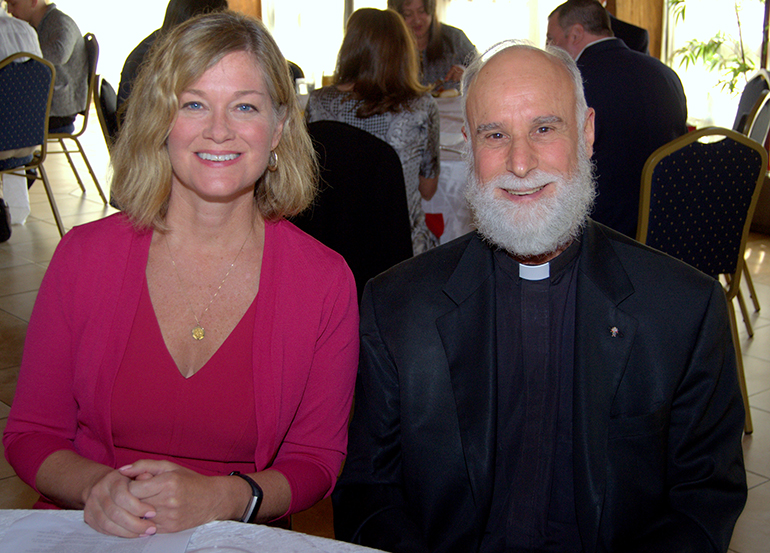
(541, 227)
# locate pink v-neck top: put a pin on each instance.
(302, 351)
(192, 419)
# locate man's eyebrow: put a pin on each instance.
(488, 127)
(547, 119)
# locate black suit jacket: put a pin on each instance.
(635, 37)
(657, 419)
(640, 106)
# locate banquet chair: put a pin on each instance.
(749, 97)
(26, 89)
(361, 210)
(696, 203)
(756, 127)
(58, 137)
(106, 104)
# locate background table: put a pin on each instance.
(251, 537)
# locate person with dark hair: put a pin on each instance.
(444, 50)
(377, 90)
(193, 357)
(177, 12)
(543, 384)
(639, 101)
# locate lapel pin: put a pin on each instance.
(614, 332)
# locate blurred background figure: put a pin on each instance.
(193, 357)
(62, 44)
(177, 12)
(378, 90)
(444, 50)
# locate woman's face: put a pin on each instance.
(417, 19)
(224, 131)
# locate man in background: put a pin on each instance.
(640, 106)
(62, 44)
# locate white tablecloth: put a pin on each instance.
(251, 537)
(449, 199)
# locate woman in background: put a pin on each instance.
(378, 90)
(177, 12)
(444, 50)
(193, 358)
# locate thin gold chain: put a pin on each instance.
(198, 332)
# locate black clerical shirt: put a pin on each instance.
(533, 507)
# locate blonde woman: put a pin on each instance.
(199, 351)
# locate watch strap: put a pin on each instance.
(250, 514)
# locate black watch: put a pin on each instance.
(256, 498)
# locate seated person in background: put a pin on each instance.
(545, 384)
(444, 50)
(197, 335)
(635, 37)
(377, 90)
(639, 101)
(62, 44)
(177, 12)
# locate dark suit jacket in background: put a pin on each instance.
(635, 37)
(640, 106)
(657, 420)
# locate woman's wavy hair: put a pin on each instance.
(435, 49)
(141, 180)
(379, 58)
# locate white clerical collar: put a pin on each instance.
(535, 272)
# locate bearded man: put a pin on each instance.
(544, 384)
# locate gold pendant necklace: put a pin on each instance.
(198, 332)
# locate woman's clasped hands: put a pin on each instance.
(149, 497)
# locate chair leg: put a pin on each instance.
(750, 284)
(51, 200)
(66, 152)
(90, 170)
(745, 313)
(748, 427)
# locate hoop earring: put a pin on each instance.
(272, 161)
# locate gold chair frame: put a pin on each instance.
(92, 47)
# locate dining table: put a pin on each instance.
(446, 212)
(40, 531)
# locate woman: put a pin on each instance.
(445, 50)
(198, 333)
(377, 90)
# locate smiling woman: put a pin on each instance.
(204, 349)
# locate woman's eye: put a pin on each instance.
(246, 108)
(192, 105)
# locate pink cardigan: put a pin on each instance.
(305, 354)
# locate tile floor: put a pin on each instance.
(24, 258)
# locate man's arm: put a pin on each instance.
(369, 504)
(707, 488)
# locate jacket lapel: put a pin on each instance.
(470, 343)
(604, 335)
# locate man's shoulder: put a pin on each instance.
(431, 270)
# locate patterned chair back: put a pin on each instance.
(26, 89)
(698, 197)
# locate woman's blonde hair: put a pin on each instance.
(141, 181)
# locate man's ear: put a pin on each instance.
(588, 131)
(575, 34)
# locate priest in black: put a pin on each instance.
(544, 384)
